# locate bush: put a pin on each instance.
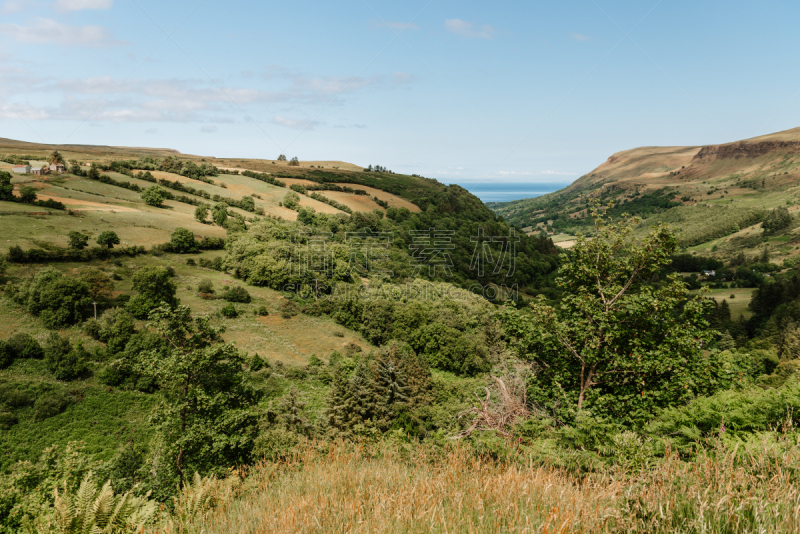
(205, 286)
(183, 241)
(24, 346)
(291, 200)
(50, 404)
(261, 310)
(237, 294)
(288, 309)
(229, 311)
(57, 299)
(63, 360)
(154, 196)
(78, 241)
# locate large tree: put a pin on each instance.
(56, 158)
(621, 344)
(204, 420)
(155, 287)
(108, 239)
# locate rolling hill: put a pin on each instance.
(716, 195)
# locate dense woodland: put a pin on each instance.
(610, 361)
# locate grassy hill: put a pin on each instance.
(716, 195)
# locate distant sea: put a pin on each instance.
(506, 191)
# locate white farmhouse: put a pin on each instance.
(22, 169)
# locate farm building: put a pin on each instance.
(22, 169)
(40, 171)
(57, 167)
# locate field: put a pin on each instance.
(95, 207)
(291, 341)
(405, 488)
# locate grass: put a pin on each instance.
(103, 418)
(739, 305)
(291, 341)
(409, 488)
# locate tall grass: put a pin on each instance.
(364, 489)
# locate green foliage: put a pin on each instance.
(617, 346)
(283, 427)
(116, 328)
(89, 511)
(124, 370)
(65, 361)
(78, 241)
(50, 404)
(205, 286)
(154, 196)
(201, 213)
(101, 286)
(236, 294)
(229, 311)
(183, 241)
(27, 492)
(204, 419)
(219, 213)
(291, 200)
(155, 287)
(6, 187)
(108, 239)
(730, 414)
(776, 220)
(27, 194)
(59, 300)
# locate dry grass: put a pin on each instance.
(413, 489)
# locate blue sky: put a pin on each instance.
(529, 91)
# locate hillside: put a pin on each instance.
(711, 193)
(321, 349)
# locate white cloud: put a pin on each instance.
(78, 5)
(151, 131)
(298, 124)
(467, 29)
(579, 37)
(208, 129)
(48, 31)
(14, 6)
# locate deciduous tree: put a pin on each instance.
(617, 346)
(204, 418)
(108, 239)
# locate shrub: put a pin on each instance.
(7, 420)
(261, 310)
(25, 346)
(288, 309)
(191, 262)
(183, 241)
(63, 360)
(154, 196)
(77, 240)
(50, 403)
(229, 311)
(237, 294)
(57, 299)
(291, 200)
(205, 286)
